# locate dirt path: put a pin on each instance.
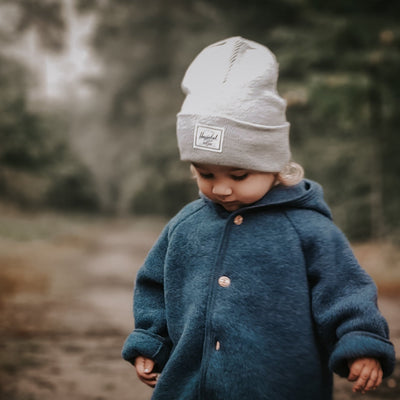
(68, 312)
(62, 332)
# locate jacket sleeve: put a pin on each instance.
(150, 336)
(344, 301)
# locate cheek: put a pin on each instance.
(256, 189)
(203, 186)
(253, 193)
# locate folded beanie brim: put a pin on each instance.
(224, 141)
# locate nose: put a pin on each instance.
(221, 189)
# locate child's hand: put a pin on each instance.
(144, 369)
(366, 373)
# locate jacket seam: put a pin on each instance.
(154, 336)
(366, 334)
(179, 221)
(162, 343)
(297, 233)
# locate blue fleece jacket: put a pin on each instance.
(293, 306)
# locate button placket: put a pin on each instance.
(224, 281)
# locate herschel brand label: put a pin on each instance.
(208, 138)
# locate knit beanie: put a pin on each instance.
(232, 114)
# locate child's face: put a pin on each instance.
(231, 187)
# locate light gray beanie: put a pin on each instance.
(232, 114)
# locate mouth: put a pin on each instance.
(229, 205)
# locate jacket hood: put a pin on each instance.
(305, 195)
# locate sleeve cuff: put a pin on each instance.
(362, 344)
(147, 344)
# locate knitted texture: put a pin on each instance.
(296, 308)
(232, 114)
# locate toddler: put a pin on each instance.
(251, 291)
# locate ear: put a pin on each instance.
(193, 171)
(277, 180)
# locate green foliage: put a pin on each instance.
(339, 63)
(43, 16)
(171, 196)
(26, 143)
(37, 166)
(338, 72)
(73, 190)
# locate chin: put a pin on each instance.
(231, 207)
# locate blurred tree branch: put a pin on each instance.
(339, 63)
(43, 16)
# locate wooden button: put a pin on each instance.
(238, 220)
(224, 281)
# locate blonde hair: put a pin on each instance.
(291, 174)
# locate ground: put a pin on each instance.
(66, 299)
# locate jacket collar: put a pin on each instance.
(306, 194)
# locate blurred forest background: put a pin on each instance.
(89, 91)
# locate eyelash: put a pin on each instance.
(206, 176)
(240, 177)
(234, 177)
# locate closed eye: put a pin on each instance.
(206, 176)
(239, 177)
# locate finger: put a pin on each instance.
(362, 380)
(355, 371)
(144, 365)
(144, 370)
(147, 377)
(152, 383)
(139, 364)
(371, 383)
(148, 365)
(151, 380)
